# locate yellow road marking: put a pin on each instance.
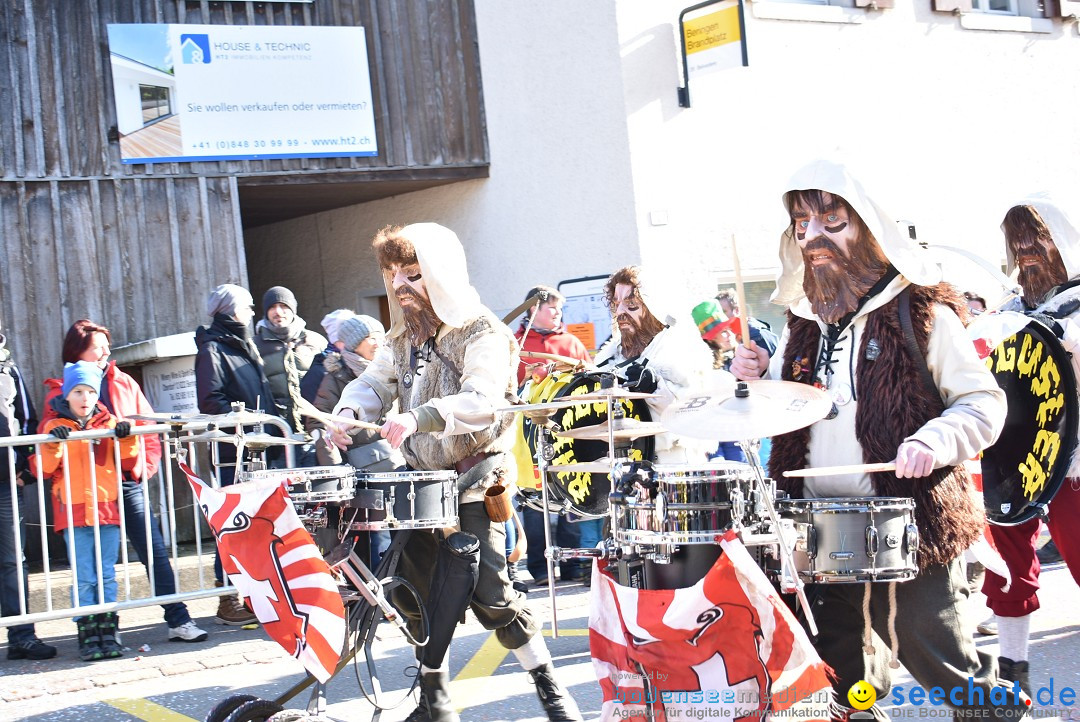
(483, 664)
(144, 709)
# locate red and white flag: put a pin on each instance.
(274, 564)
(728, 644)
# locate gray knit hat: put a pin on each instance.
(356, 329)
(279, 294)
(332, 323)
(226, 298)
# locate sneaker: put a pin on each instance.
(1049, 553)
(988, 626)
(32, 648)
(230, 611)
(187, 632)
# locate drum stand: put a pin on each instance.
(787, 560)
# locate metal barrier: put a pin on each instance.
(41, 605)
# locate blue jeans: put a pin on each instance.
(9, 567)
(730, 451)
(566, 535)
(80, 540)
(592, 531)
(164, 583)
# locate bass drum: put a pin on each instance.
(586, 493)
(1023, 471)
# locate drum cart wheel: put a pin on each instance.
(365, 609)
(256, 710)
(225, 707)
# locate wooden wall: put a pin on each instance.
(138, 247)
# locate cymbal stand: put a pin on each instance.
(545, 452)
(787, 559)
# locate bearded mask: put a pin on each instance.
(834, 281)
(421, 321)
(1035, 254)
(639, 334)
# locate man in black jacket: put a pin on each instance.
(17, 417)
(228, 368)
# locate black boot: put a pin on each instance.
(107, 625)
(1010, 671)
(557, 702)
(435, 705)
(89, 640)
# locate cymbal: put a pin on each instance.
(214, 435)
(618, 392)
(263, 440)
(172, 419)
(769, 408)
(240, 418)
(625, 430)
(600, 466)
(529, 409)
(565, 360)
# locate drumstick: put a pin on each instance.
(744, 310)
(849, 469)
(307, 409)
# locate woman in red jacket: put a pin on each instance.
(121, 395)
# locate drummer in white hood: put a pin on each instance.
(1043, 244)
(847, 275)
(657, 349)
(449, 362)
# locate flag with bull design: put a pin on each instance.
(728, 644)
(273, 562)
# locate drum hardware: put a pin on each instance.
(240, 416)
(755, 410)
(783, 545)
(604, 395)
(600, 466)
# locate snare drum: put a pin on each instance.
(693, 504)
(311, 484)
(859, 539)
(405, 500)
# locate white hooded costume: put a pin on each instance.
(677, 356)
(975, 406)
(487, 372)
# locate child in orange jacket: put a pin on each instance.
(85, 486)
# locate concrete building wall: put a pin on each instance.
(947, 124)
(559, 201)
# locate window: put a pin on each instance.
(155, 102)
(1003, 7)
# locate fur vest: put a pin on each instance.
(896, 405)
(427, 451)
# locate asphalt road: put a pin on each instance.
(179, 682)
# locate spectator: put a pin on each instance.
(287, 348)
(760, 332)
(715, 329)
(547, 334)
(309, 385)
(228, 368)
(122, 397)
(85, 497)
(17, 417)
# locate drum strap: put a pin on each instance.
(904, 307)
(475, 473)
